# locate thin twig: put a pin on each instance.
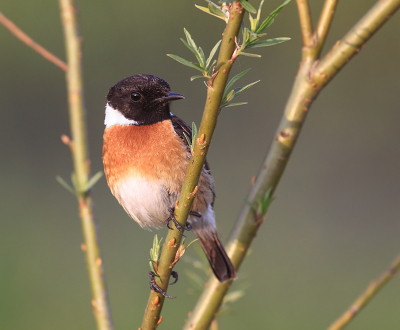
(307, 31)
(324, 22)
(205, 132)
(28, 41)
(81, 166)
(302, 95)
(362, 301)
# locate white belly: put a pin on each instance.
(146, 202)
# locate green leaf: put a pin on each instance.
(203, 57)
(271, 17)
(234, 79)
(234, 104)
(191, 243)
(207, 10)
(230, 96)
(268, 42)
(215, 10)
(212, 53)
(188, 140)
(194, 131)
(259, 11)
(186, 62)
(193, 45)
(253, 23)
(195, 77)
(93, 180)
(250, 55)
(265, 202)
(246, 5)
(62, 182)
(242, 89)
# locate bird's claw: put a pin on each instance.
(154, 287)
(174, 274)
(172, 218)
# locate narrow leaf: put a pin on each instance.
(188, 140)
(185, 62)
(233, 104)
(234, 79)
(193, 44)
(268, 42)
(253, 23)
(215, 10)
(195, 77)
(270, 19)
(250, 55)
(242, 89)
(206, 10)
(259, 11)
(194, 131)
(93, 180)
(203, 58)
(189, 46)
(246, 5)
(212, 53)
(230, 96)
(62, 182)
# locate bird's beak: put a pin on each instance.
(170, 97)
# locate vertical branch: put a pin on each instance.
(324, 22)
(307, 31)
(362, 301)
(81, 165)
(216, 86)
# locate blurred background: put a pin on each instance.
(333, 227)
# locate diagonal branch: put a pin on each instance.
(307, 31)
(200, 147)
(81, 166)
(324, 22)
(362, 301)
(28, 41)
(353, 41)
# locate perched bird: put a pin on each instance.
(145, 157)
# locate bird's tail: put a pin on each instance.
(217, 257)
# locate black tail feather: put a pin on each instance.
(217, 257)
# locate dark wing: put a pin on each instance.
(180, 128)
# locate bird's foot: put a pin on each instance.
(177, 225)
(156, 288)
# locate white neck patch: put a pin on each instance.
(114, 117)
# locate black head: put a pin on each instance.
(142, 98)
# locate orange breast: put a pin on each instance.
(153, 151)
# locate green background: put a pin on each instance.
(333, 227)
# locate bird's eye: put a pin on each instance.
(135, 96)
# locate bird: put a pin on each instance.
(145, 157)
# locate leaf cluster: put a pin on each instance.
(205, 66)
(155, 254)
(229, 95)
(252, 35)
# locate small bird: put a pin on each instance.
(145, 157)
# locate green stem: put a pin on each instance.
(81, 165)
(302, 95)
(353, 41)
(200, 148)
(362, 301)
